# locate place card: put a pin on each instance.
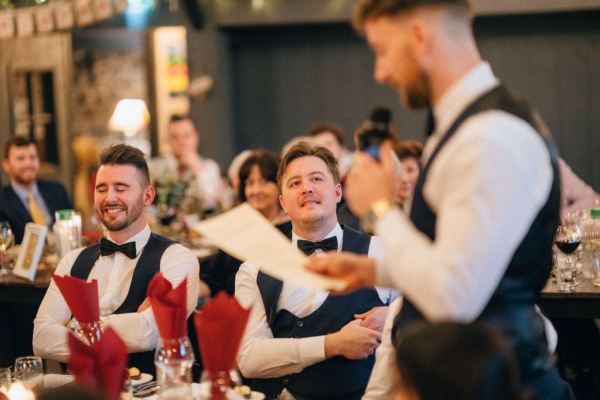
(30, 250)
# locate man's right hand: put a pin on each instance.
(353, 341)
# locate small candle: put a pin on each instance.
(18, 392)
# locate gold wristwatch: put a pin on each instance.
(378, 209)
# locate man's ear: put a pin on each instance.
(282, 203)
(149, 194)
(5, 166)
(338, 192)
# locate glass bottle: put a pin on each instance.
(591, 245)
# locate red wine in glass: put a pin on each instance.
(567, 247)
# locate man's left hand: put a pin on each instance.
(369, 180)
(374, 318)
(145, 305)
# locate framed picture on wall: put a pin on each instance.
(30, 251)
(169, 81)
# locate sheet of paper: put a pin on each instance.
(245, 234)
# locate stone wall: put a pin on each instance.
(101, 79)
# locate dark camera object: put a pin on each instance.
(374, 131)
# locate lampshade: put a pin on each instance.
(129, 116)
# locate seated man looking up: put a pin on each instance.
(122, 193)
(27, 199)
(304, 342)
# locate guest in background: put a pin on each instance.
(303, 341)
(575, 194)
(230, 194)
(123, 264)
(258, 187)
(331, 136)
(454, 361)
(27, 199)
(409, 153)
(184, 163)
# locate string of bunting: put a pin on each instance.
(56, 16)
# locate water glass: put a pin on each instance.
(30, 372)
(6, 240)
(87, 332)
(174, 359)
(219, 384)
(566, 274)
(596, 267)
(5, 379)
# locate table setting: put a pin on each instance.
(98, 356)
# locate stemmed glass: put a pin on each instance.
(30, 371)
(173, 359)
(568, 239)
(6, 240)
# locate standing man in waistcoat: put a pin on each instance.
(302, 343)
(477, 244)
(123, 264)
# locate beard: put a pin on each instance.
(115, 225)
(25, 178)
(417, 96)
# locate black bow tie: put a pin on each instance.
(309, 247)
(107, 248)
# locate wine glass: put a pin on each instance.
(30, 371)
(216, 386)
(568, 239)
(173, 359)
(6, 240)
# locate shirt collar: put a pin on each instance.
(337, 231)
(468, 88)
(140, 239)
(23, 192)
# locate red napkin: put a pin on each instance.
(81, 297)
(100, 367)
(168, 306)
(220, 327)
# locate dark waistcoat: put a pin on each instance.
(334, 378)
(147, 266)
(511, 307)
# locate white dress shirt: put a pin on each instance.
(207, 185)
(384, 375)
(486, 187)
(114, 274)
(261, 355)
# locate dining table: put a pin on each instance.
(575, 315)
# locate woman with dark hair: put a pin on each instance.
(258, 187)
(409, 153)
(453, 361)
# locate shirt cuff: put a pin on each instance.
(386, 227)
(312, 350)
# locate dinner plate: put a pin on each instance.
(144, 377)
(203, 389)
